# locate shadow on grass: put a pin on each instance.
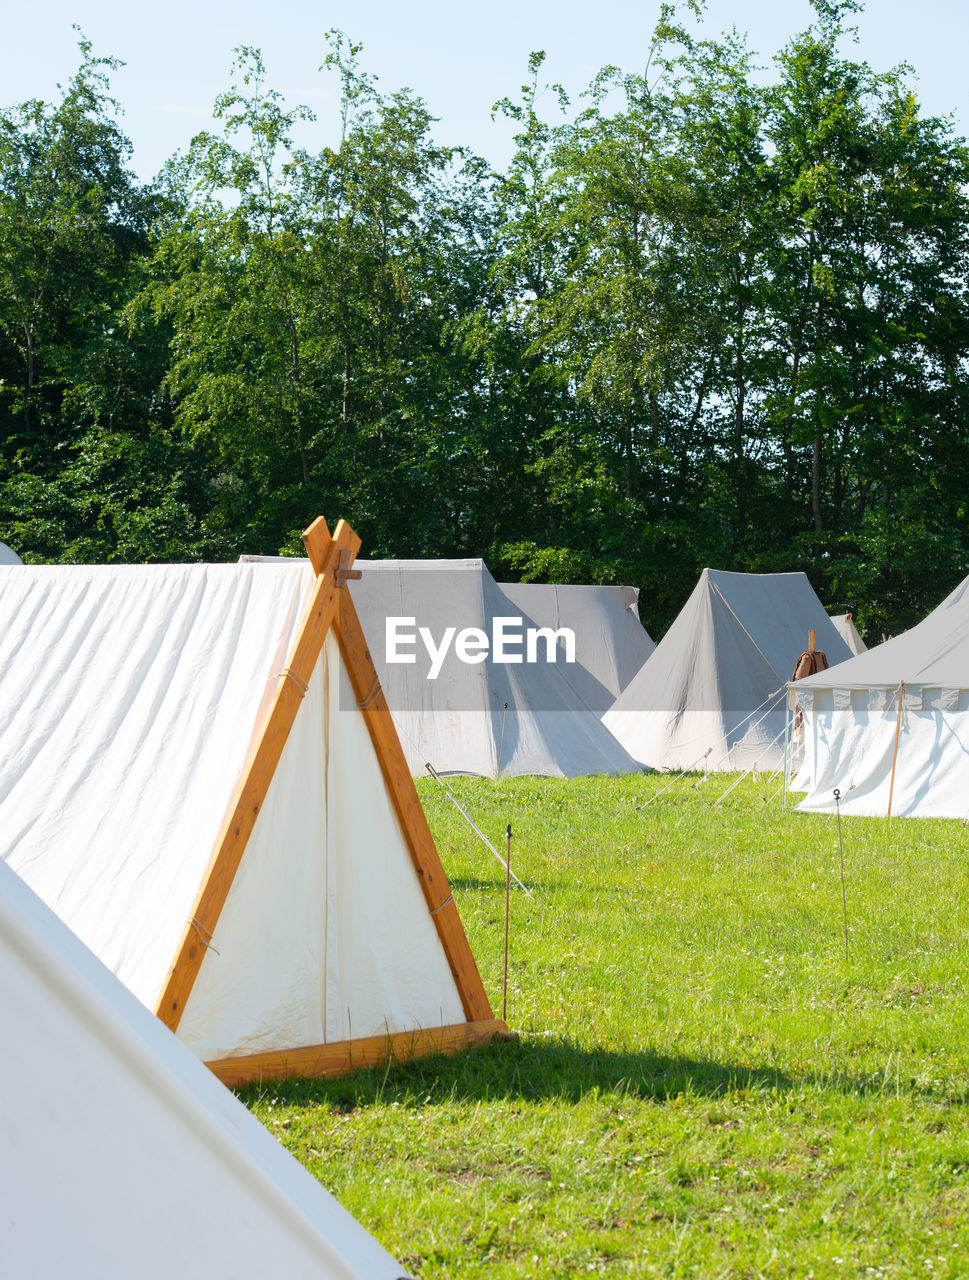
(532, 1070)
(540, 1069)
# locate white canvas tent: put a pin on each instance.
(199, 774)
(712, 694)
(481, 717)
(849, 632)
(890, 728)
(7, 556)
(122, 1156)
(611, 643)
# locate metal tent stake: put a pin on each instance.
(504, 989)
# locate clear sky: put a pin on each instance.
(459, 57)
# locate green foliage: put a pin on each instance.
(703, 1086)
(696, 320)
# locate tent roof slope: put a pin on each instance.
(483, 718)
(611, 643)
(112, 1127)
(736, 633)
(934, 653)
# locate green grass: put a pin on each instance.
(703, 1087)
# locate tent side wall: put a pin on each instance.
(850, 744)
(112, 1127)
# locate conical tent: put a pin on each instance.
(890, 728)
(199, 774)
(712, 694)
(123, 1156)
(848, 632)
(611, 642)
(478, 716)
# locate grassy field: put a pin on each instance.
(703, 1086)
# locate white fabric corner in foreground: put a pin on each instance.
(122, 1155)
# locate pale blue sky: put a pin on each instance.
(459, 57)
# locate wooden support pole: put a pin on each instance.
(812, 641)
(898, 726)
(250, 792)
(403, 794)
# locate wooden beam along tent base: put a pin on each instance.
(307, 924)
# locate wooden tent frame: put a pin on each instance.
(330, 606)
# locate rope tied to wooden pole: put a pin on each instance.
(371, 697)
(201, 930)
(288, 674)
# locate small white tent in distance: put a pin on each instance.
(610, 640)
(712, 694)
(477, 716)
(890, 728)
(7, 556)
(199, 774)
(848, 632)
(122, 1155)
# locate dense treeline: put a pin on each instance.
(698, 320)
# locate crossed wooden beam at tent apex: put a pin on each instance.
(330, 606)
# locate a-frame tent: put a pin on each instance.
(611, 643)
(712, 696)
(122, 1156)
(849, 633)
(199, 773)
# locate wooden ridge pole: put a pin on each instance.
(898, 725)
(333, 558)
(406, 802)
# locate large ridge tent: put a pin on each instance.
(712, 694)
(122, 1156)
(479, 716)
(610, 641)
(890, 728)
(848, 632)
(199, 774)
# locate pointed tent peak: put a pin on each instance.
(326, 553)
